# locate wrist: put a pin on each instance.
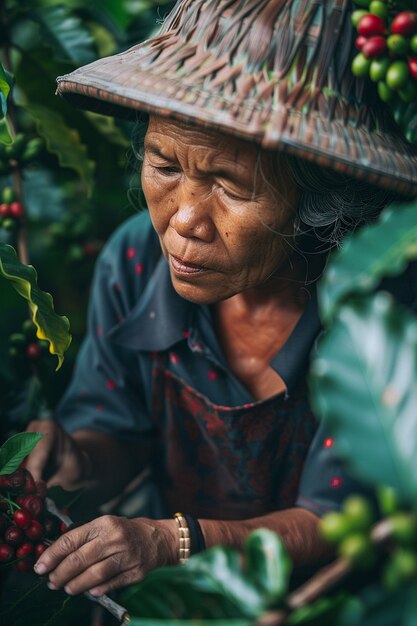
(169, 530)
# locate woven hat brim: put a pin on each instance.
(382, 158)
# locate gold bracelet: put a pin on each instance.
(184, 536)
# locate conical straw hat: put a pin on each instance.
(277, 72)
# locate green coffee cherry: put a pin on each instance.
(361, 65)
(359, 550)
(397, 44)
(8, 195)
(413, 43)
(397, 75)
(378, 69)
(8, 224)
(18, 340)
(409, 92)
(377, 7)
(334, 527)
(29, 329)
(358, 513)
(388, 500)
(404, 528)
(357, 16)
(400, 568)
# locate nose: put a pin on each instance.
(193, 218)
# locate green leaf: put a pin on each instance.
(15, 450)
(267, 564)
(50, 326)
(5, 84)
(363, 385)
(64, 142)
(65, 33)
(5, 134)
(383, 249)
(107, 126)
(215, 584)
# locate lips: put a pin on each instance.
(185, 267)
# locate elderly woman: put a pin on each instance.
(259, 155)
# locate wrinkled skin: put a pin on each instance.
(105, 554)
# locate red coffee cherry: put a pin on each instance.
(33, 351)
(360, 42)
(6, 553)
(16, 210)
(41, 488)
(33, 504)
(24, 550)
(412, 66)
(374, 47)
(405, 24)
(22, 518)
(4, 210)
(17, 480)
(14, 536)
(34, 531)
(30, 485)
(370, 25)
(63, 527)
(40, 549)
(51, 526)
(24, 565)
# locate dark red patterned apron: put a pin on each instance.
(224, 462)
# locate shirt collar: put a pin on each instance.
(293, 357)
(160, 318)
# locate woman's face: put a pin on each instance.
(221, 219)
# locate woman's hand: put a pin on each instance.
(108, 553)
(57, 457)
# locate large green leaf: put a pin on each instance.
(50, 326)
(215, 584)
(363, 385)
(380, 607)
(65, 33)
(64, 142)
(383, 249)
(15, 449)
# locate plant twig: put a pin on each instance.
(322, 582)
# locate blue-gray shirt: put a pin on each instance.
(134, 313)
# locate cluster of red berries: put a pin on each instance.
(11, 211)
(387, 41)
(26, 527)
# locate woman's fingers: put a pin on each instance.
(107, 553)
(41, 454)
(91, 555)
(65, 547)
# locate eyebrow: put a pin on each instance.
(221, 171)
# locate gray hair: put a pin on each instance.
(332, 204)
